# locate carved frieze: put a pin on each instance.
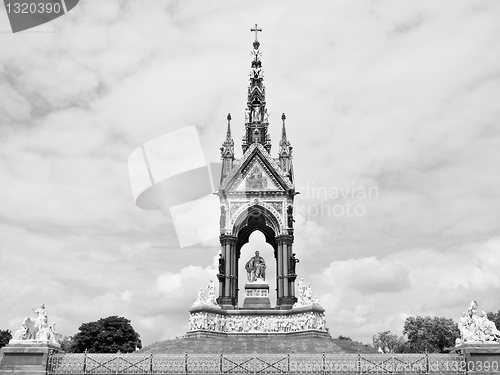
(311, 320)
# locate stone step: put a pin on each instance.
(271, 345)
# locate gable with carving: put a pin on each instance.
(256, 172)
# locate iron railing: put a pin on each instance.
(208, 364)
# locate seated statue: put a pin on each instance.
(256, 268)
(43, 332)
(23, 332)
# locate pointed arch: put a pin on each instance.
(256, 217)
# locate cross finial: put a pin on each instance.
(256, 29)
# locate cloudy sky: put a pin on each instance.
(392, 109)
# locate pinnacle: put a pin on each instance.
(283, 131)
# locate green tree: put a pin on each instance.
(107, 335)
(434, 335)
(389, 343)
(494, 317)
(67, 344)
(5, 336)
(344, 338)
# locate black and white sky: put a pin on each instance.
(399, 99)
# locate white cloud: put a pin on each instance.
(401, 97)
(368, 275)
(382, 293)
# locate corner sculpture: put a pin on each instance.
(206, 296)
(37, 331)
(304, 295)
(476, 329)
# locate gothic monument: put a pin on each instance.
(256, 192)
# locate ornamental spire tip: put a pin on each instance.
(256, 43)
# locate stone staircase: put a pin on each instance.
(251, 344)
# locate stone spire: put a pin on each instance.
(285, 152)
(229, 139)
(256, 117)
(227, 151)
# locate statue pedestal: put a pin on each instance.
(257, 296)
(26, 358)
(480, 358)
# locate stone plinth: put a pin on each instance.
(26, 358)
(257, 296)
(481, 357)
(212, 321)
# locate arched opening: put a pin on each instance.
(256, 217)
(257, 242)
(260, 224)
(252, 217)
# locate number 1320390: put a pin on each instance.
(33, 8)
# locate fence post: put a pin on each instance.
(151, 362)
(48, 365)
(360, 371)
(85, 361)
(186, 363)
(288, 362)
(324, 363)
(463, 358)
(220, 361)
(426, 362)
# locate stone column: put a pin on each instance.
(286, 261)
(279, 273)
(227, 296)
(286, 290)
(229, 260)
(234, 272)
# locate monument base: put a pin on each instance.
(220, 322)
(27, 358)
(480, 357)
(286, 303)
(257, 296)
(227, 303)
(260, 335)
